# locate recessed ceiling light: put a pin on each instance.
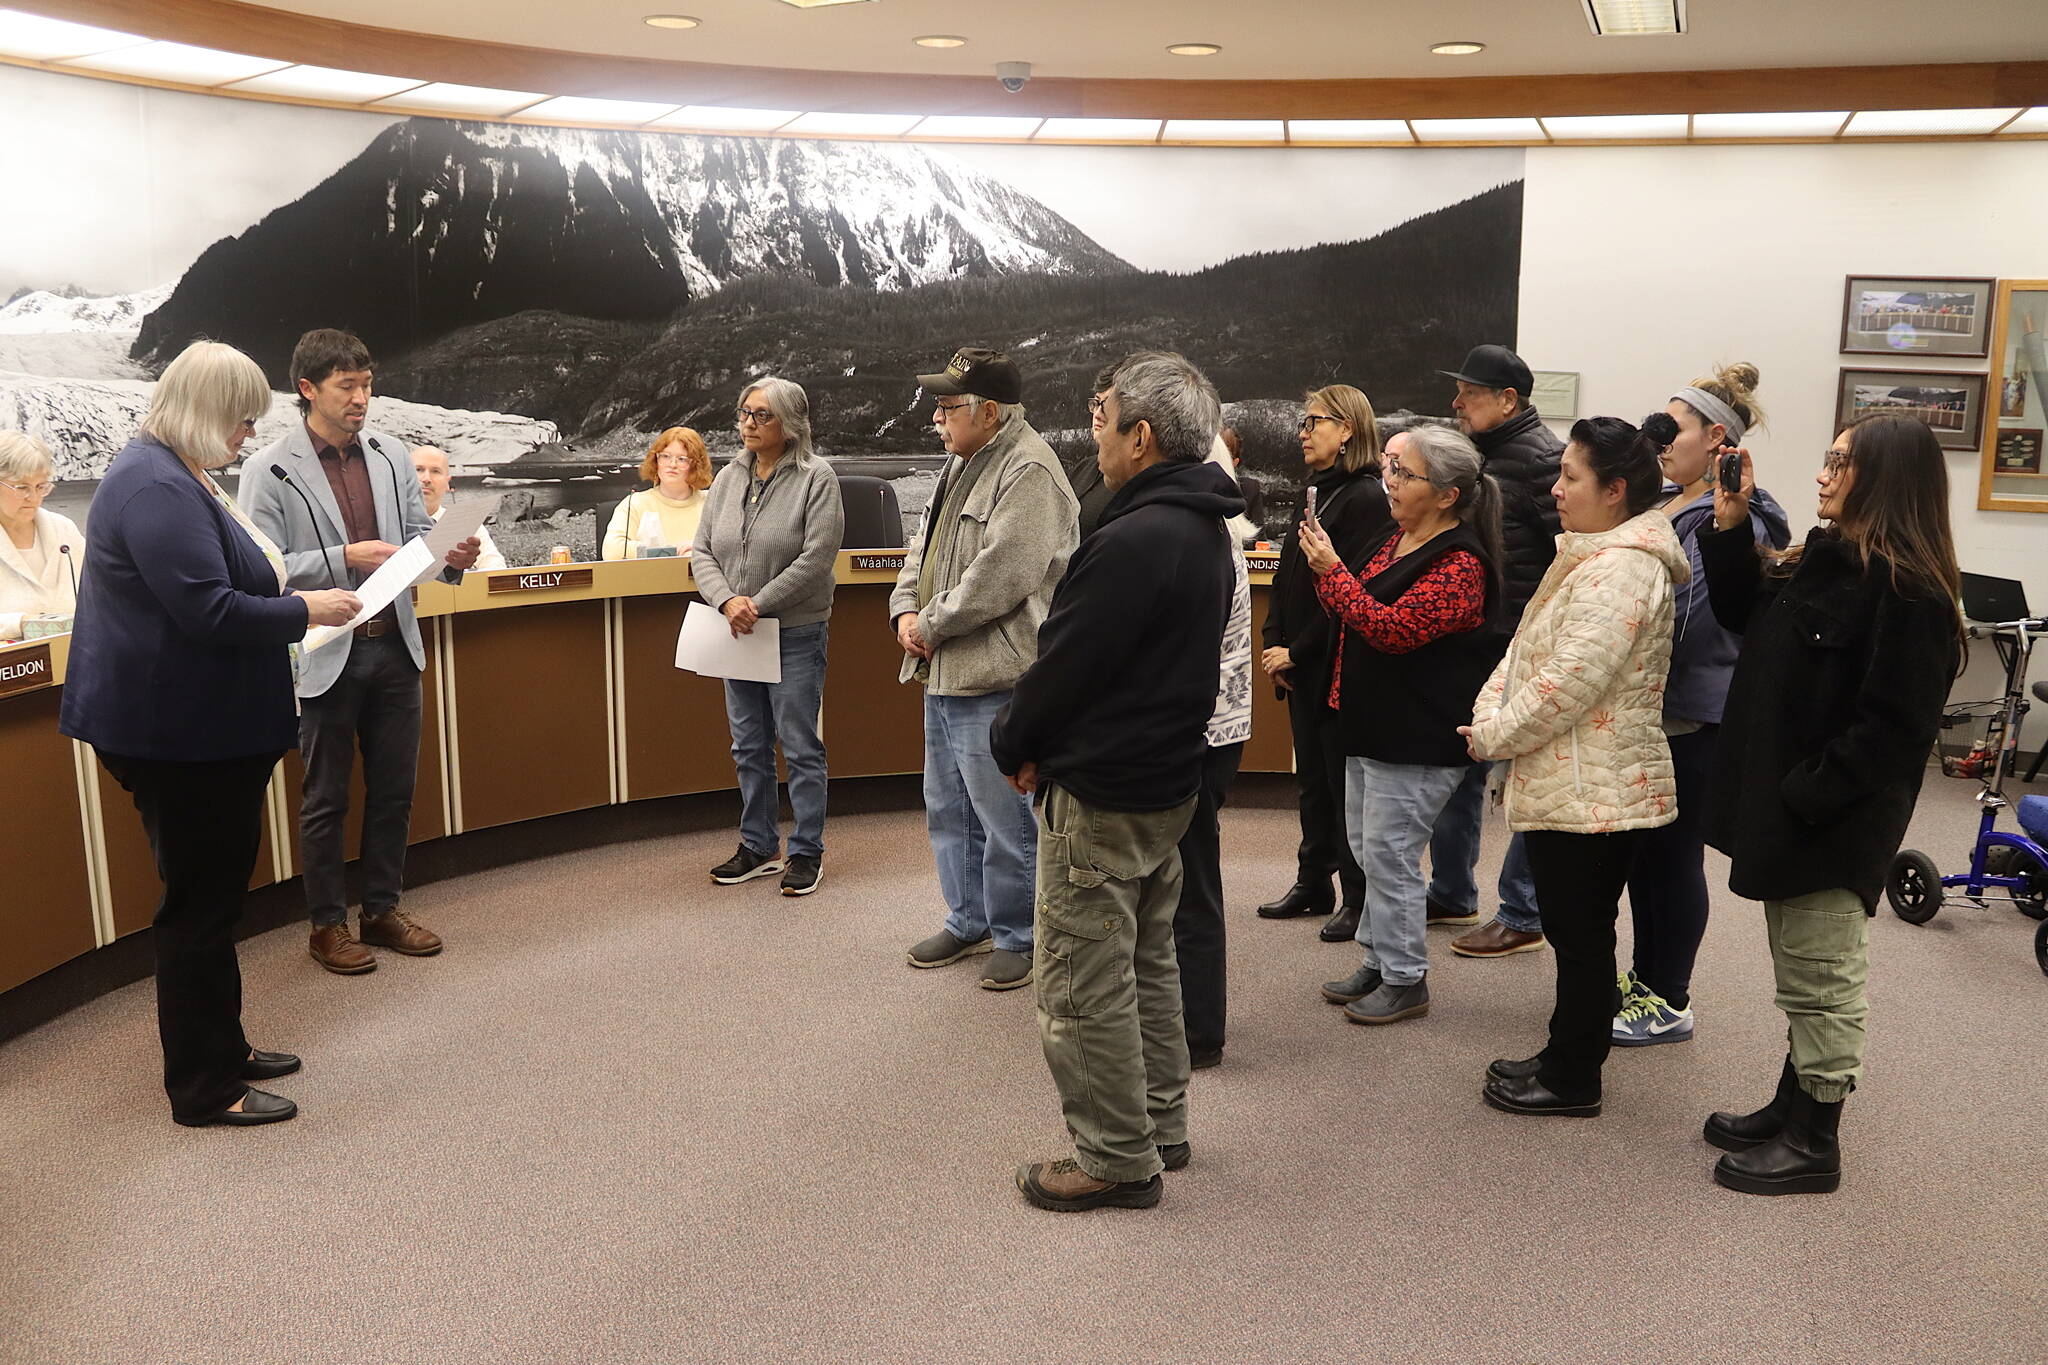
(975, 127)
(583, 109)
(1928, 122)
(1194, 49)
(1617, 127)
(483, 101)
(726, 119)
(180, 62)
(1634, 18)
(1349, 130)
(31, 35)
(2033, 121)
(940, 40)
(854, 125)
(326, 83)
(671, 21)
(1796, 124)
(1223, 130)
(1460, 49)
(1478, 130)
(1098, 130)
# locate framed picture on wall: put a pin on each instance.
(1916, 315)
(1555, 393)
(1952, 404)
(2017, 452)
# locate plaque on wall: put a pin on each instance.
(540, 580)
(25, 670)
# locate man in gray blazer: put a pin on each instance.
(338, 499)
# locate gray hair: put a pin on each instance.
(1004, 411)
(792, 407)
(24, 459)
(1451, 462)
(1165, 391)
(201, 397)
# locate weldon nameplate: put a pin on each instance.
(25, 670)
(541, 580)
(893, 563)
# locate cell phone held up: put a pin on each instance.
(1729, 474)
(1308, 506)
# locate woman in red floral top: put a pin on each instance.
(1422, 633)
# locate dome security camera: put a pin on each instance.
(1014, 76)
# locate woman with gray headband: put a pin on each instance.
(1667, 891)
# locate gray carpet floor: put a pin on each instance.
(628, 1116)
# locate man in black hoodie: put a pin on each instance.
(1108, 729)
(1522, 455)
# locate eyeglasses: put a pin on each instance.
(760, 417)
(1832, 465)
(1393, 476)
(32, 490)
(668, 458)
(939, 410)
(1096, 405)
(1309, 420)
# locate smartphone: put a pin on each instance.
(1308, 506)
(1731, 469)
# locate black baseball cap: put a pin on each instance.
(1494, 367)
(984, 373)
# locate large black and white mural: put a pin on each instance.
(542, 299)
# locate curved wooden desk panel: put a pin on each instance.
(544, 697)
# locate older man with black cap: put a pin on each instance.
(1522, 454)
(975, 585)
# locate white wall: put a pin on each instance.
(1644, 266)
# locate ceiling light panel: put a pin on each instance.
(48, 40)
(1478, 130)
(441, 98)
(1349, 130)
(855, 125)
(820, 4)
(672, 21)
(180, 63)
(719, 118)
(1224, 130)
(1613, 127)
(1194, 49)
(1634, 18)
(2033, 121)
(1461, 49)
(940, 40)
(1099, 130)
(581, 109)
(1767, 125)
(326, 83)
(1927, 122)
(969, 126)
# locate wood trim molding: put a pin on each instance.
(321, 41)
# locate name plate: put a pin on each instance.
(1258, 562)
(540, 580)
(25, 670)
(893, 563)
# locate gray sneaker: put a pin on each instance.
(1006, 971)
(1390, 1003)
(1356, 986)
(942, 948)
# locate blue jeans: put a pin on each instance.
(764, 714)
(984, 837)
(1389, 809)
(1454, 853)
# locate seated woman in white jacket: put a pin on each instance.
(41, 552)
(1577, 706)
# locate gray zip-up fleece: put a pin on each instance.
(783, 553)
(1018, 527)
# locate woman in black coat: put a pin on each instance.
(1850, 643)
(1340, 445)
(181, 679)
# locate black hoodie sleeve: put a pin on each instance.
(1735, 574)
(1084, 644)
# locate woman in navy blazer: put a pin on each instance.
(180, 677)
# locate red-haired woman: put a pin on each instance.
(678, 468)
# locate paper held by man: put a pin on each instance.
(412, 561)
(707, 645)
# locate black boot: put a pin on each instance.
(1740, 1132)
(1805, 1158)
(1343, 926)
(1301, 899)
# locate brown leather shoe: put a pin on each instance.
(1494, 939)
(1064, 1187)
(400, 933)
(334, 948)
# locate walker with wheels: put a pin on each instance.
(2003, 867)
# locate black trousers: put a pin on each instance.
(1579, 880)
(1198, 922)
(1319, 777)
(375, 703)
(1667, 890)
(205, 823)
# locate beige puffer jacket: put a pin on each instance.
(1578, 701)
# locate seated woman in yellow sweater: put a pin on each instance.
(679, 468)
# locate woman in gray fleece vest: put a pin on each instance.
(766, 548)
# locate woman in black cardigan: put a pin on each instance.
(1340, 445)
(1850, 643)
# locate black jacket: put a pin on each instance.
(1835, 703)
(1116, 708)
(1090, 491)
(1406, 708)
(1522, 454)
(1353, 511)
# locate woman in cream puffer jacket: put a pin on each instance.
(1576, 706)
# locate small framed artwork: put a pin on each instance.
(2012, 396)
(1916, 315)
(2017, 452)
(1952, 404)
(1555, 393)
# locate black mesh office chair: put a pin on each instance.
(874, 520)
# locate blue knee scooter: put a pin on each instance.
(2003, 867)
